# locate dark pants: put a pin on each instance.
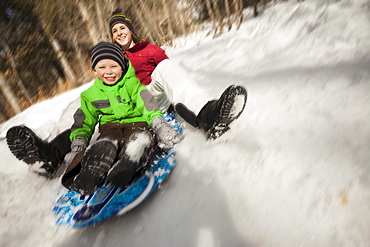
(121, 132)
(62, 143)
(111, 131)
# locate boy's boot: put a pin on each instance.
(94, 166)
(43, 158)
(136, 154)
(216, 116)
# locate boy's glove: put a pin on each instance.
(76, 147)
(166, 135)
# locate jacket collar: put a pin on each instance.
(138, 46)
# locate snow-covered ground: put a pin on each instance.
(293, 171)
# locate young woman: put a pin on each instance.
(170, 85)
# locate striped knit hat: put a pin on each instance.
(119, 17)
(107, 50)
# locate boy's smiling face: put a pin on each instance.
(109, 71)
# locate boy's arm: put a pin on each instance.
(85, 120)
(147, 104)
(145, 101)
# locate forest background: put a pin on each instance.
(45, 45)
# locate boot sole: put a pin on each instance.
(232, 107)
(120, 175)
(94, 166)
(85, 183)
(22, 142)
(234, 104)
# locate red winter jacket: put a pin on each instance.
(145, 57)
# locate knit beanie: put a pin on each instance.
(107, 50)
(119, 17)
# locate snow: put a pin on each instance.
(293, 170)
(136, 148)
(238, 105)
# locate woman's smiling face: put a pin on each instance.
(123, 36)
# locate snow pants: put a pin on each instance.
(172, 85)
(111, 131)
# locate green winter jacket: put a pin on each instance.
(127, 101)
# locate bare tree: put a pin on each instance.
(102, 18)
(15, 71)
(9, 95)
(49, 15)
(91, 25)
(70, 75)
(238, 7)
(228, 14)
(215, 15)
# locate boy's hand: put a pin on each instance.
(76, 147)
(166, 135)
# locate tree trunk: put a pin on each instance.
(210, 14)
(168, 19)
(68, 72)
(238, 13)
(3, 118)
(215, 16)
(15, 71)
(9, 95)
(219, 16)
(60, 81)
(84, 65)
(93, 33)
(102, 21)
(63, 61)
(228, 15)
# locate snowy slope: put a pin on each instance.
(293, 171)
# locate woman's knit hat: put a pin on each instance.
(107, 50)
(119, 17)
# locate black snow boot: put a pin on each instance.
(95, 164)
(216, 116)
(43, 158)
(186, 114)
(136, 155)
